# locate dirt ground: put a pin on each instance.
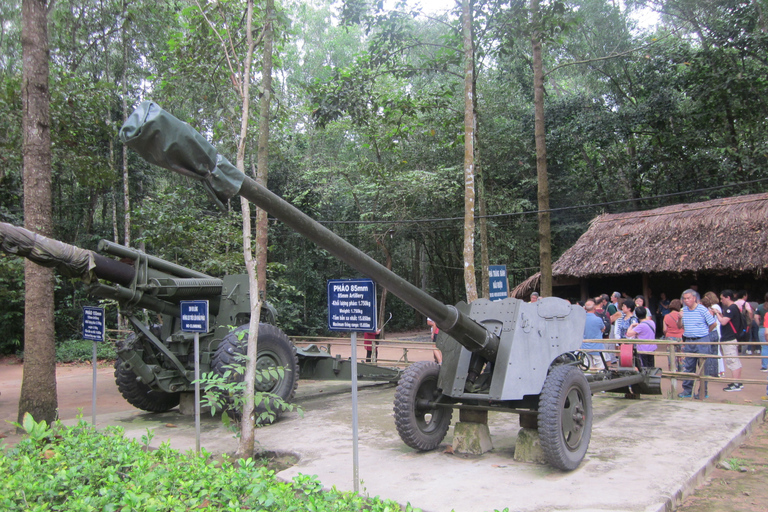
(740, 484)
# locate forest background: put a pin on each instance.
(367, 132)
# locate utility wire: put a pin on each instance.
(494, 216)
(551, 210)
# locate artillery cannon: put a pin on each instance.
(497, 356)
(155, 364)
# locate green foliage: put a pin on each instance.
(78, 468)
(12, 298)
(227, 392)
(179, 226)
(366, 126)
(75, 351)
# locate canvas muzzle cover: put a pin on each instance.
(166, 141)
(69, 260)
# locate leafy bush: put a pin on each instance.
(82, 350)
(81, 469)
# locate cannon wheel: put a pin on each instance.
(420, 427)
(139, 394)
(565, 417)
(274, 349)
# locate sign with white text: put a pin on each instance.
(93, 323)
(194, 315)
(497, 282)
(352, 305)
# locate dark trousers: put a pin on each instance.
(690, 362)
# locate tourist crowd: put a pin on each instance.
(698, 323)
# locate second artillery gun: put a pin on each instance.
(155, 363)
(506, 356)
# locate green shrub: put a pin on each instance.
(82, 350)
(81, 469)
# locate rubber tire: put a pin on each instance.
(274, 349)
(416, 429)
(565, 417)
(139, 394)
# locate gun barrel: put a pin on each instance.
(463, 329)
(164, 140)
(154, 262)
(176, 288)
(67, 259)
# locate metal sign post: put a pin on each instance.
(93, 329)
(194, 318)
(352, 307)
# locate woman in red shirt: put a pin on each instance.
(671, 330)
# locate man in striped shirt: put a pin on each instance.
(696, 322)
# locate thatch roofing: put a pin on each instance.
(527, 287)
(723, 236)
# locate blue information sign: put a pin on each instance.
(352, 305)
(194, 315)
(93, 323)
(497, 282)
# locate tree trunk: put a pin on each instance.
(485, 261)
(247, 435)
(38, 386)
(262, 170)
(470, 284)
(545, 234)
(126, 187)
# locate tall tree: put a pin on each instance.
(247, 435)
(124, 85)
(545, 233)
(38, 386)
(262, 166)
(470, 282)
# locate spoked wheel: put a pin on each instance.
(565, 417)
(274, 350)
(420, 426)
(139, 394)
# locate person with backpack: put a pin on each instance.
(747, 313)
(731, 325)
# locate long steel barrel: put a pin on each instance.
(153, 261)
(464, 330)
(168, 142)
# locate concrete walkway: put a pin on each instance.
(645, 455)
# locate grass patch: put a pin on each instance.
(734, 464)
(78, 468)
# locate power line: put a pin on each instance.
(551, 210)
(494, 216)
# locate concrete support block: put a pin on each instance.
(471, 435)
(528, 447)
(187, 405)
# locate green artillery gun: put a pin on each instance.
(497, 356)
(155, 363)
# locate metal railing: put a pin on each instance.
(402, 347)
(675, 353)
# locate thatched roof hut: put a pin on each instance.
(726, 236)
(721, 242)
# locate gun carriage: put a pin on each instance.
(155, 363)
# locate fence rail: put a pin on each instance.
(391, 349)
(675, 351)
